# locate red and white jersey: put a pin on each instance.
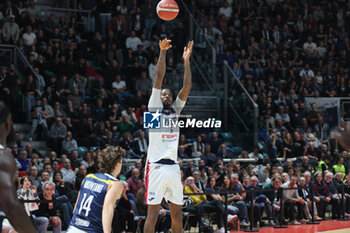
(163, 143)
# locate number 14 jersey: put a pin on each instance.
(87, 215)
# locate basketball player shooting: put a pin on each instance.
(162, 178)
(94, 209)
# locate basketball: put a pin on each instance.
(167, 9)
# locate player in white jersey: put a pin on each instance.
(162, 178)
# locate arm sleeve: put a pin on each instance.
(154, 101)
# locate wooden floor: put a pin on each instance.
(329, 226)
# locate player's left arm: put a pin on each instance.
(183, 94)
(113, 194)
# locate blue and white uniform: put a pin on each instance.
(87, 216)
(163, 177)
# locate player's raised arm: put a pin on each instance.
(164, 45)
(183, 94)
(113, 194)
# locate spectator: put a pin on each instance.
(10, 31)
(33, 176)
(69, 144)
(89, 20)
(58, 132)
(48, 210)
(133, 41)
(80, 177)
(322, 129)
(29, 192)
(208, 157)
(23, 161)
(67, 173)
(134, 183)
(39, 116)
(255, 154)
(143, 84)
(29, 37)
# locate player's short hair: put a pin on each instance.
(109, 157)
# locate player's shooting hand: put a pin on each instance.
(165, 44)
(187, 52)
(342, 135)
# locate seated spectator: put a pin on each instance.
(87, 161)
(127, 144)
(67, 173)
(49, 209)
(255, 154)
(182, 153)
(69, 144)
(273, 204)
(215, 143)
(141, 144)
(125, 125)
(198, 147)
(23, 161)
(322, 129)
(292, 200)
(130, 114)
(80, 177)
(321, 192)
(133, 41)
(208, 157)
(62, 187)
(58, 132)
(120, 87)
(224, 153)
(34, 161)
(134, 183)
(29, 192)
(305, 194)
(201, 205)
(334, 194)
(235, 198)
(33, 176)
(259, 201)
(125, 221)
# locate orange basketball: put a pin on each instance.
(167, 9)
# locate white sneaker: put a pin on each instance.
(295, 222)
(221, 230)
(231, 218)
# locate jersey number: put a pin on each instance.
(86, 204)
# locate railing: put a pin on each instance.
(12, 55)
(240, 112)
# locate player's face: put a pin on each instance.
(167, 98)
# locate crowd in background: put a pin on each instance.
(95, 80)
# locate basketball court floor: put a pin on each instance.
(329, 226)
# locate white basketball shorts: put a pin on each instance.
(163, 181)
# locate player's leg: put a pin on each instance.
(152, 217)
(176, 217)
